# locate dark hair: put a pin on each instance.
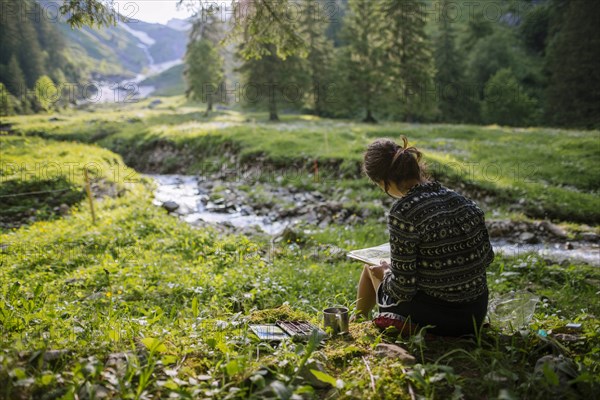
(386, 161)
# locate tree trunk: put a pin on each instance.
(369, 118)
(273, 109)
(209, 105)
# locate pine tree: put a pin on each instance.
(363, 31)
(89, 12)
(271, 80)
(15, 80)
(264, 28)
(478, 27)
(454, 96)
(31, 58)
(204, 72)
(573, 93)
(9, 35)
(314, 24)
(7, 101)
(411, 67)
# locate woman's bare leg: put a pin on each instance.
(366, 298)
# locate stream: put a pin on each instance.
(194, 205)
(190, 199)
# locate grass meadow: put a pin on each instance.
(141, 305)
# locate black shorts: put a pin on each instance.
(447, 318)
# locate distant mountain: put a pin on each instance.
(32, 47)
(169, 43)
(126, 49)
(179, 24)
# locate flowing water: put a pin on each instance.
(194, 206)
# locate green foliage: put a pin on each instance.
(408, 59)
(46, 93)
(505, 102)
(265, 29)
(204, 72)
(270, 81)
(90, 12)
(32, 47)
(7, 101)
(573, 65)
(491, 54)
(314, 25)
(365, 54)
(535, 28)
(385, 68)
(15, 79)
(456, 103)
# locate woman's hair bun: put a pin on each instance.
(405, 163)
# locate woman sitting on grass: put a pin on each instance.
(440, 250)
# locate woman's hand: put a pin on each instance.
(378, 270)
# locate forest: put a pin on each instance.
(516, 63)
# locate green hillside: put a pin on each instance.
(167, 83)
(33, 47)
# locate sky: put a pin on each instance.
(160, 11)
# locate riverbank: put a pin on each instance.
(232, 207)
(536, 173)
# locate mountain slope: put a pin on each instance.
(167, 83)
(125, 50)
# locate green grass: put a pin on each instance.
(38, 176)
(141, 305)
(555, 172)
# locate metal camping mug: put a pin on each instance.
(336, 319)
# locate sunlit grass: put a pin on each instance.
(142, 305)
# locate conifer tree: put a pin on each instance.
(7, 102)
(455, 100)
(271, 80)
(15, 79)
(364, 34)
(408, 57)
(313, 23)
(204, 72)
(573, 93)
(31, 59)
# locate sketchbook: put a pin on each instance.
(372, 255)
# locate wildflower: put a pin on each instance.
(108, 294)
(119, 292)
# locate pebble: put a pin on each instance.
(63, 209)
(170, 206)
(394, 351)
(589, 236)
(554, 229)
(528, 237)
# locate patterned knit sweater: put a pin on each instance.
(439, 245)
